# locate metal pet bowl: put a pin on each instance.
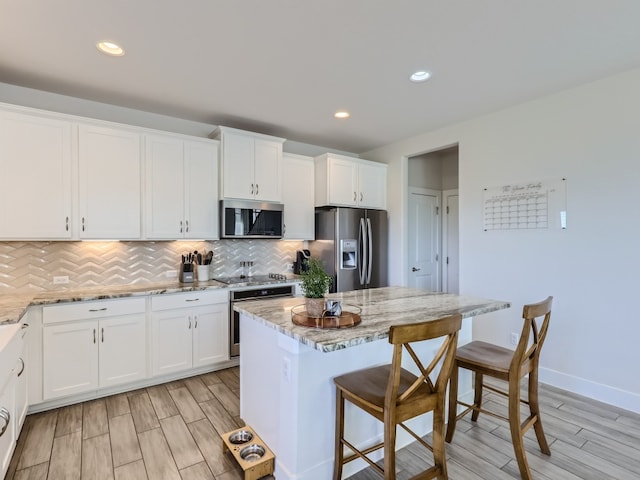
(251, 453)
(240, 437)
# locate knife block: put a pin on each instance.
(186, 273)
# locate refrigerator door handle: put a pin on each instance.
(362, 240)
(370, 250)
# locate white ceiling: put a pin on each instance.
(283, 67)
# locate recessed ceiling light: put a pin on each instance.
(420, 76)
(342, 114)
(110, 48)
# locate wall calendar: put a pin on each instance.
(531, 205)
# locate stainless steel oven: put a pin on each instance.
(246, 295)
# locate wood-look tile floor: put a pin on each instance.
(172, 431)
(169, 431)
(588, 440)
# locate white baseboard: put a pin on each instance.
(597, 391)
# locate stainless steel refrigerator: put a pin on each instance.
(352, 244)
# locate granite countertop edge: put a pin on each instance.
(13, 306)
(331, 340)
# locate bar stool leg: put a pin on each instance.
(339, 450)
(389, 446)
(534, 407)
(437, 443)
(477, 395)
(453, 403)
(516, 431)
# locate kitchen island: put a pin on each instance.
(286, 389)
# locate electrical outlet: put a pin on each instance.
(286, 370)
(60, 280)
(171, 274)
(515, 338)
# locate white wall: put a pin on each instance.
(591, 136)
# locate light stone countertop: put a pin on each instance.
(14, 306)
(381, 307)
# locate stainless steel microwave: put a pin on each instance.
(251, 219)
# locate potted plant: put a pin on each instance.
(315, 283)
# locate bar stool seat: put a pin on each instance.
(392, 394)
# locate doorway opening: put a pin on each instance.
(433, 258)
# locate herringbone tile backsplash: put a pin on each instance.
(31, 266)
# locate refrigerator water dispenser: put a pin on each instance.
(348, 256)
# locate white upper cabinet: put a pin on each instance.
(109, 183)
(181, 183)
(250, 165)
(298, 197)
(35, 177)
(351, 182)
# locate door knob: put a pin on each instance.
(414, 269)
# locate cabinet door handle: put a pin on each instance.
(360, 196)
(189, 323)
(25, 325)
(22, 369)
(94, 335)
(66, 226)
(192, 300)
(180, 226)
(187, 228)
(195, 319)
(252, 189)
(83, 224)
(257, 189)
(98, 309)
(102, 335)
(6, 416)
(355, 196)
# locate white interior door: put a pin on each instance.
(424, 239)
(451, 267)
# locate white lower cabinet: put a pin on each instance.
(189, 330)
(11, 402)
(91, 345)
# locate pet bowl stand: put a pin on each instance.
(243, 440)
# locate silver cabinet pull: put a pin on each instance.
(180, 226)
(257, 189)
(192, 300)
(355, 196)
(187, 228)
(94, 335)
(102, 335)
(83, 224)
(196, 321)
(252, 189)
(360, 196)
(98, 309)
(66, 226)
(189, 323)
(6, 416)
(22, 369)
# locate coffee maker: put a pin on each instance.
(301, 265)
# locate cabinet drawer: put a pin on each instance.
(190, 299)
(89, 310)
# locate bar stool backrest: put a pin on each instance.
(534, 332)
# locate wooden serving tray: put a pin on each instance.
(347, 319)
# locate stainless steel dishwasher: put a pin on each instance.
(246, 295)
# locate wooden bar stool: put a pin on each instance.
(393, 395)
(487, 359)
